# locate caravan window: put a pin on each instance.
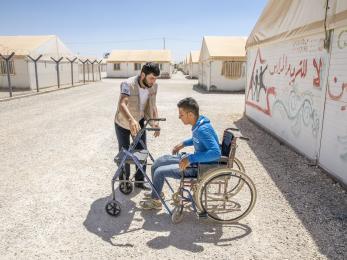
(116, 66)
(160, 66)
(233, 69)
(3, 68)
(137, 66)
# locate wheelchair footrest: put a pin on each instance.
(202, 215)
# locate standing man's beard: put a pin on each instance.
(144, 81)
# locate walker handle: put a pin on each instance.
(156, 119)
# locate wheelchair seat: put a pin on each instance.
(140, 155)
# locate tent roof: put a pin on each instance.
(140, 56)
(225, 46)
(194, 56)
(284, 19)
(22, 45)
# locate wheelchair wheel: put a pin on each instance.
(177, 214)
(238, 166)
(176, 198)
(218, 197)
(126, 187)
(113, 208)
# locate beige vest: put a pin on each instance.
(134, 103)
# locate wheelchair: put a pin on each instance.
(222, 191)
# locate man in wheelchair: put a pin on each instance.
(206, 150)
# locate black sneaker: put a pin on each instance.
(142, 186)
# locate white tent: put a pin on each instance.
(194, 64)
(22, 68)
(222, 63)
(296, 78)
(128, 63)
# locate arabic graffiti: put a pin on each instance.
(318, 69)
(292, 71)
(338, 96)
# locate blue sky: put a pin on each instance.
(95, 27)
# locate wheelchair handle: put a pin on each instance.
(232, 128)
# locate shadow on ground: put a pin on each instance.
(188, 235)
(200, 89)
(320, 204)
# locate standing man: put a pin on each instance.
(136, 103)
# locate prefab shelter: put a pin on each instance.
(22, 68)
(128, 63)
(297, 81)
(186, 64)
(194, 64)
(222, 63)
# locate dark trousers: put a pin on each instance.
(123, 137)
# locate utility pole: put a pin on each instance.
(164, 42)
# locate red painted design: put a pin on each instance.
(262, 61)
(269, 90)
(318, 67)
(267, 111)
(337, 97)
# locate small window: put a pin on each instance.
(116, 66)
(233, 69)
(137, 66)
(3, 67)
(160, 66)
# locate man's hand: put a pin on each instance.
(134, 127)
(177, 148)
(156, 133)
(184, 163)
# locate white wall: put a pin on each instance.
(220, 82)
(333, 150)
(127, 70)
(204, 75)
(194, 70)
(20, 79)
(292, 105)
(305, 100)
(47, 73)
(210, 77)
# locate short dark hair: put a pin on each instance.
(189, 104)
(151, 67)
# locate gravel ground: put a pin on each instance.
(56, 165)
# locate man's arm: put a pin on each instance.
(123, 106)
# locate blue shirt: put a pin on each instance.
(205, 141)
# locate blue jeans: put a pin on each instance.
(168, 166)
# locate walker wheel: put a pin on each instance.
(113, 208)
(126, 187)
(177, 214)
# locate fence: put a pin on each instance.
(26, 73)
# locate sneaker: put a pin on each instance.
(148, 195)
(151, 204)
